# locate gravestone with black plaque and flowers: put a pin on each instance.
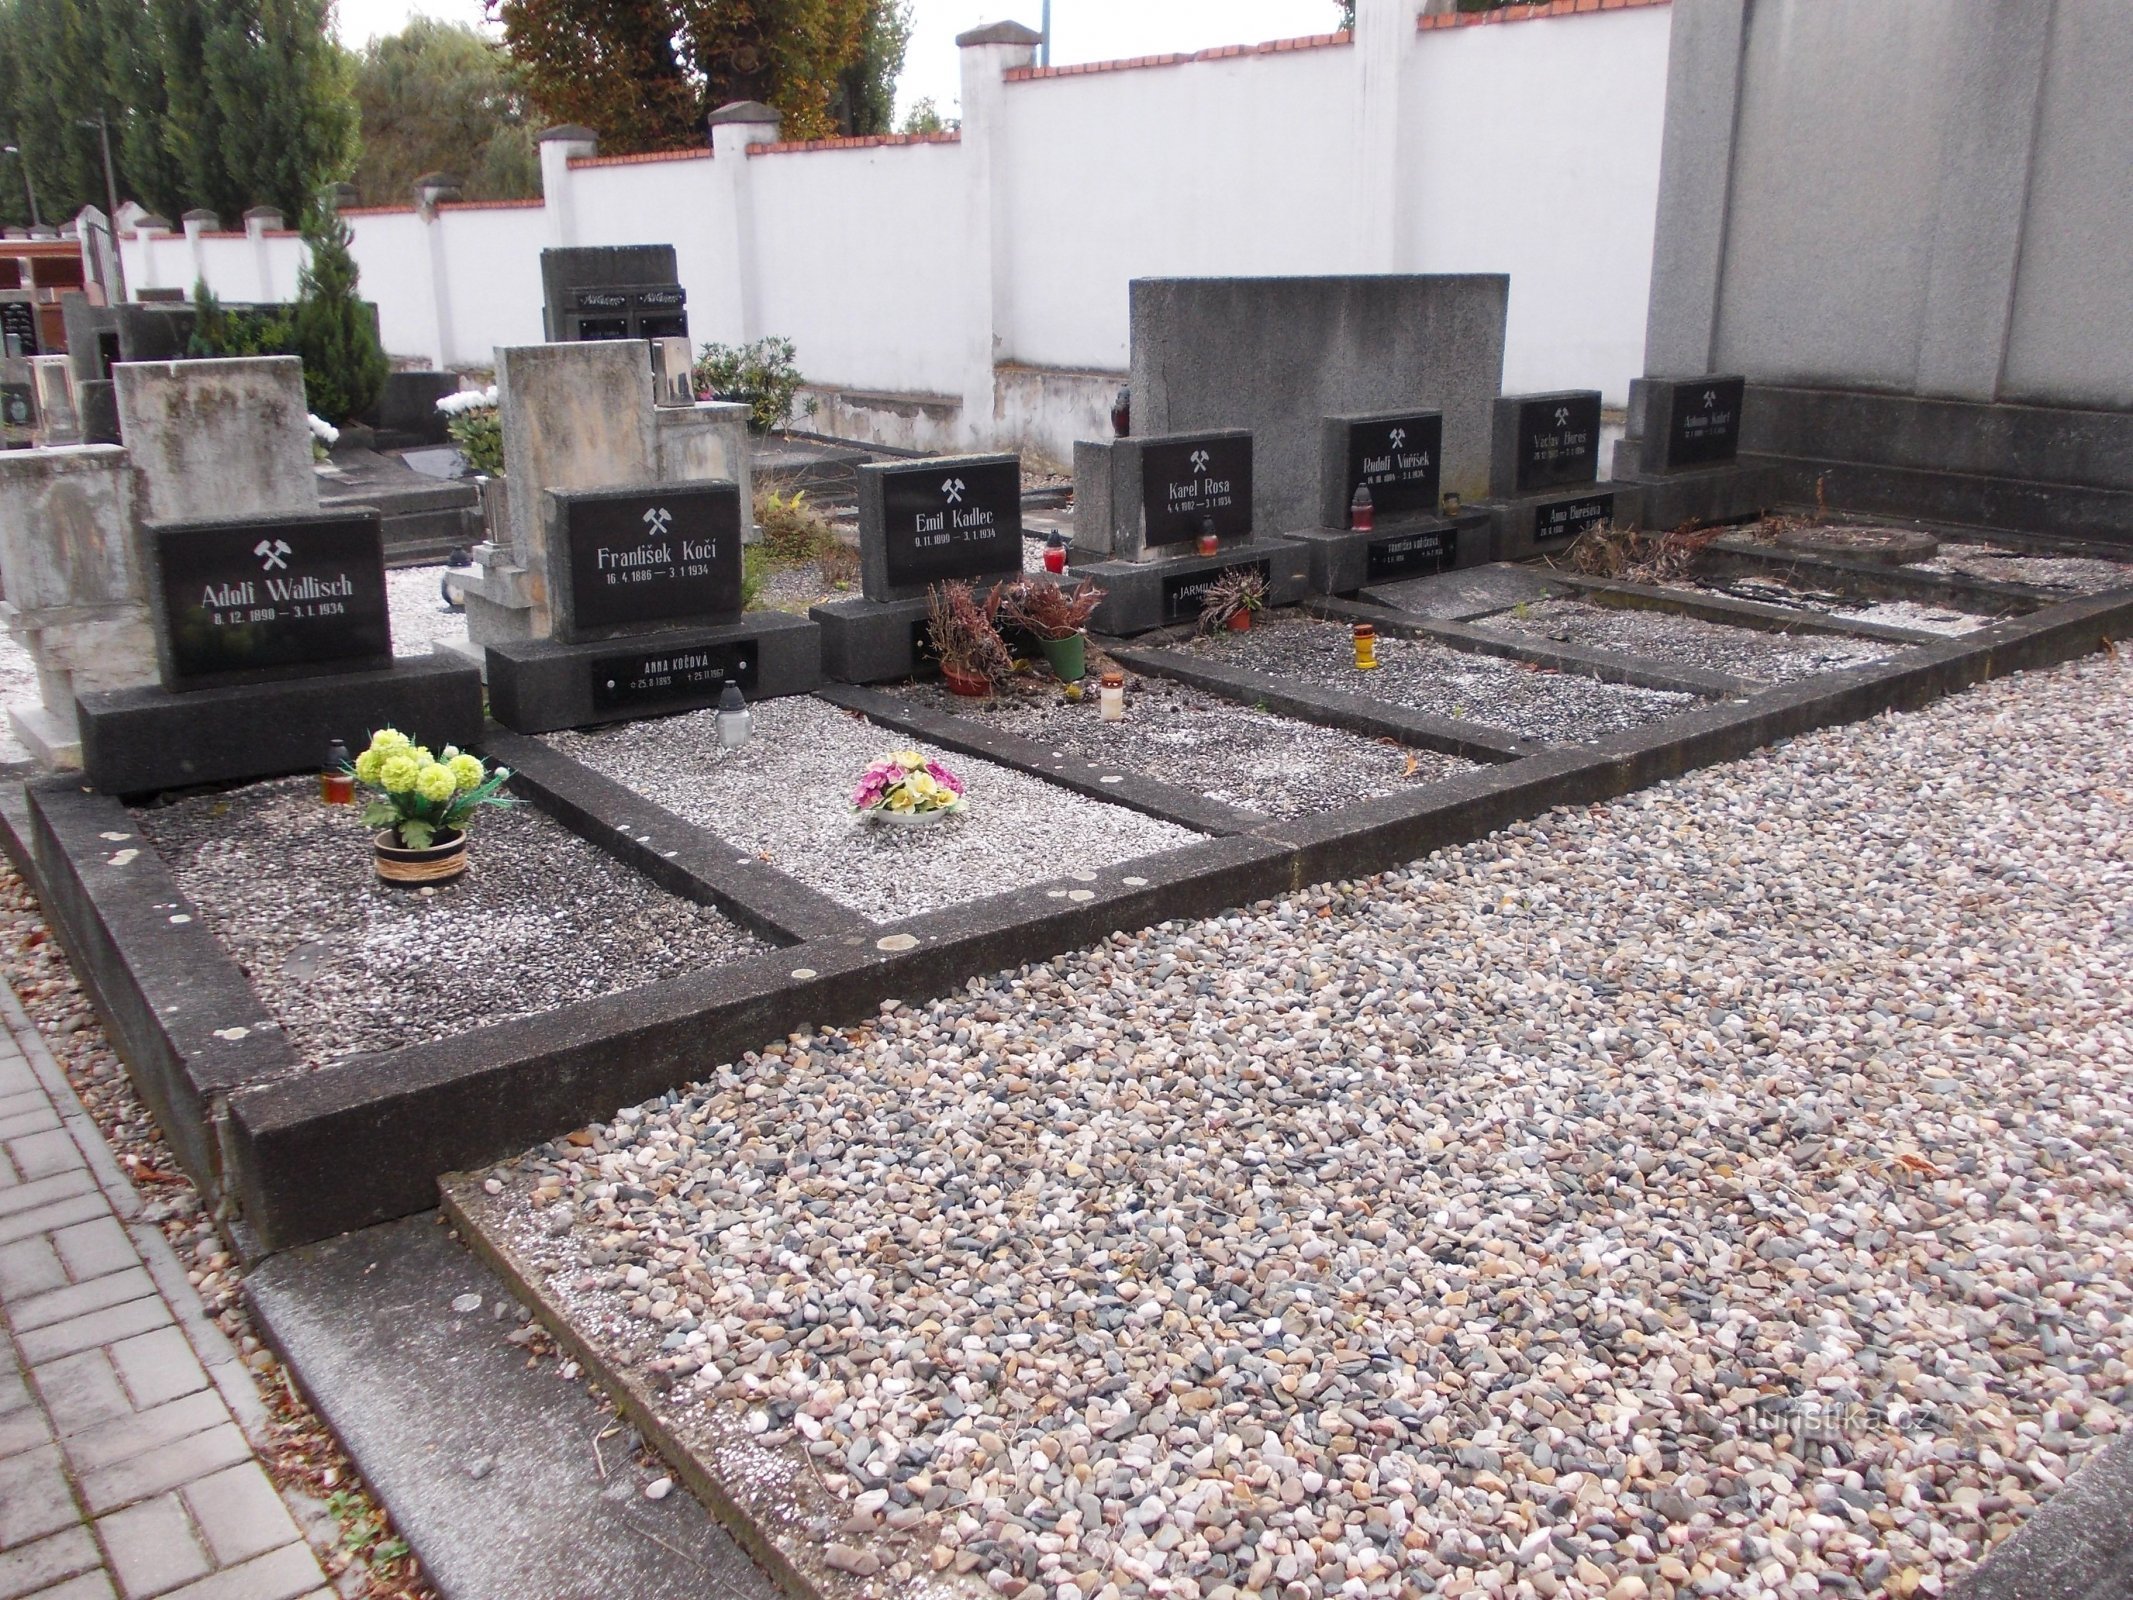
(945, 519)
(1544, 465)
(645, 591)
(1399, 530)
(273, 636)
(1147, 510)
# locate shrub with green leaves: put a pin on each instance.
(764, 376)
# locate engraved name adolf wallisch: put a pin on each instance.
(267, 598)
(658, 557)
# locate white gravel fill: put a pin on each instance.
(419, 617)
(784, 797)
(1668, 636)
(1451, 1229)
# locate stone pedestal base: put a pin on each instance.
(135, 741)
(52, 744)
(1544, 524)
(1343, 560)
(1143, 595)
(1710, 494)
(870, 641)
(539, 685)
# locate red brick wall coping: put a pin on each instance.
(873, 141)
(1272, 47)
(1528, 13)
(696, 153)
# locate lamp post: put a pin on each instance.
(28, 188)
(102, 125)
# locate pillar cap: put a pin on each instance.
(999, 33)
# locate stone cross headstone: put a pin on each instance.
(267, 597)
(1545, 441)
(926, 522)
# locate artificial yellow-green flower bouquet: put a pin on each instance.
(421, 805)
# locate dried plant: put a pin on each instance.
(1609, 551)
(963, 628)
(1237, 589)
(1047, 610)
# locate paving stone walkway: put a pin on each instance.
(126, 1468)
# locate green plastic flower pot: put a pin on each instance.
(1069, 657)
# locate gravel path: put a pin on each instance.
(541, 919)
(783, 796)
(1231, 753)
(1669, 636)
(419, 616)
(1728, 1190)
(1554, 706)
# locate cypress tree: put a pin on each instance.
(344, 365)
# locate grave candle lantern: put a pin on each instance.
(336, 782)
(1210, 542)
(734, 720)
(1451, 505)
(1362, 510)
(1055, 553)
(1366, 646)
(1113, 696)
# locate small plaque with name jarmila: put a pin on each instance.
(1186, 592)
(270, 596)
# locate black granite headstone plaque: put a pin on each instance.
(270, 597)
(18, 406)
(1186, 481)
(650, 680)
(1413, 555)
(1558, 441)
(961, 521)
(1704, 426)
(1399, 460)
(1184, 593)
(18, 327)
(643, 557)
(1559, 521)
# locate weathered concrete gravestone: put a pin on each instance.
(193, 615)
(1544, 461)
(946, 519)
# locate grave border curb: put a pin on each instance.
(385, 1125)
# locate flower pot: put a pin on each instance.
(910, 819)
(1069, 656)
(415, 869)
(968, 684)
(1240, 622)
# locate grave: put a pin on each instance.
(1682, 451)
(1142, 507)
(1399, 457)
(644, 586)
(944, 519)
(52, 391)
(577, 417)
(134, 573)
(612, 292)
(1544, 461)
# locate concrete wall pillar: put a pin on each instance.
(431, 192)
(988, 53)
(1384, 44)
(258, 223)
(733, 129)
(557, 146)
(1982, 203)
(1703, 73)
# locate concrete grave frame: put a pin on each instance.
(301, 1156)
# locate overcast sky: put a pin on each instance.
(1082, 30)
